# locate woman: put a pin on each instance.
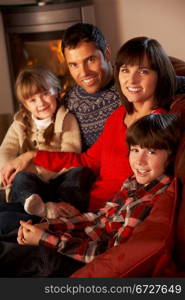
(146, 81)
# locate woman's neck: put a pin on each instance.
(139, 112)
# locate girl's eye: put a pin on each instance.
(46, 94)
(32, 100)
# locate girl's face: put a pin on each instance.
(42, 105)
(138, 82)
(147, 164)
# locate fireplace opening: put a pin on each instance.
(40, 49)
(34, 36)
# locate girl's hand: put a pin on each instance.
(29, 234)
(20, 163)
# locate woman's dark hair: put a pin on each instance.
(83, 32)
(156, 131)
(133, 52)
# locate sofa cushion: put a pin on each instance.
(178, 107)
(179, 66)
(149, 250)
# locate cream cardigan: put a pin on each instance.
(66, 138)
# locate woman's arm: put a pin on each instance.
(56, 161)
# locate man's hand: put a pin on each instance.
(29, 234)
(20, 163)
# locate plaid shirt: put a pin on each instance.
(85, 236)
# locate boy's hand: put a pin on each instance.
(29, 234)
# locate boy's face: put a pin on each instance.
(147, 164)
(88, 66)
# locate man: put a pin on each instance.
(94, 97)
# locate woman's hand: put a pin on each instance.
(20, 163)
(29, 234)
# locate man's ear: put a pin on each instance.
(107, 54)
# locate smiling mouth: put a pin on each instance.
(89, 81)
(43, 109)
(133, 90)
(142, 172)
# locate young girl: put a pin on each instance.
(146, 82)
(152, 142)
(42, 123)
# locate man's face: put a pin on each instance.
(88, 66)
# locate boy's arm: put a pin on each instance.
(80, 247)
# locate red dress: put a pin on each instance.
(108, 158)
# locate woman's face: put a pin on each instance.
(42, 105)
(147, 164)
(138, 82)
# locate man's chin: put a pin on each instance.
(91, 90)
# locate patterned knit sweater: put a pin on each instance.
(92, 110)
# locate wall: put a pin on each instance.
(164, 20)
(6, 105)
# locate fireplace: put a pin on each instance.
(33, 35)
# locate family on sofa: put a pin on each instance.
(146, 82)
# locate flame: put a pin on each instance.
(55, 46)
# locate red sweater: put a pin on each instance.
(108, 158)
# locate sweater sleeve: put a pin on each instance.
(74, 240)
(55, 161)
(10, 146)
(71, 139)
(79, 248)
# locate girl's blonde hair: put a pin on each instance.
(30, 81)
(33, 80)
